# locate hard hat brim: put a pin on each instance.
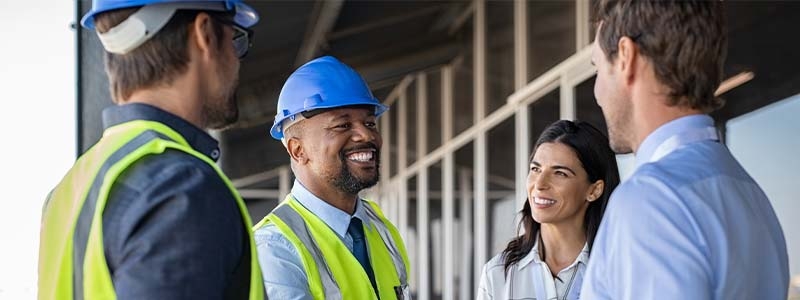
(277, 134)
(245, 16)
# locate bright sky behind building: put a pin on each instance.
(37, 119)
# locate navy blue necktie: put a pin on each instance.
(356, 231)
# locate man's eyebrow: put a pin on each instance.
(340, 116)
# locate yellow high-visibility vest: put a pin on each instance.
(75, 208)
(332, 270)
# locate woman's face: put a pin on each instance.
(559, 190)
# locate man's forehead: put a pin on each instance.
(346, 112)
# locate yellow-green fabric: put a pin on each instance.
(62, 212)
(350, 278)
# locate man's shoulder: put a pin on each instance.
(171, 164)
(268, 231)
(695, 162)
(269, 235)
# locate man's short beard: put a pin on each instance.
(349, 183)
(221, 115)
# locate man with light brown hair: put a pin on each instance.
(146, 213)
(690, 223)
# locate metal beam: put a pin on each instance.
(522, 144)
(481, 203)
(481, 151)
(520, 43)
(448, 187)
(385, 169)
(258, 177)
(582, 21)
(423, 241)
(465, 191)
(422, 114)
(461, 19)
(320, 24)
(447, 103)
(402, 161)
(260, 194)
(423, 223)
(567, 100)
(479, 61)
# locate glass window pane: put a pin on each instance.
(434, 115)
(776, 172)
(501, 185)
(551, 34)
(465, 264)
(499, 53)
(463, 103)
(391, 145)
(411, 123)
(542, 113)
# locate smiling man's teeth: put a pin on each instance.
(360, 156)
(543, 201)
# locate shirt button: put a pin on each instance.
(215, 154)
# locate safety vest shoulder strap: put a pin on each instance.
(150, 137)
(390, 236)
(289, 220)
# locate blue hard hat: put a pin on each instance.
(245, 16)
(324, 82)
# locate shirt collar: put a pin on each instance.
(672, 128)
(197, 138)
(533, 256)
(336, 219)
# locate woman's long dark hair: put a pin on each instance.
(597, 159)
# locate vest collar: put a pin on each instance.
(336, 219)
(197, 138)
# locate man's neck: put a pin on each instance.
(181, 98)
(653, 112)
(330, 194)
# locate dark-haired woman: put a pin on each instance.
(572, 174)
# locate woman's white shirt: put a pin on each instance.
(530, 278)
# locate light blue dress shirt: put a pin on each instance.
(282, 269)
(690, 223)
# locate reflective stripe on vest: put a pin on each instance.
(295, 221)
(298, 225)
(71, 258)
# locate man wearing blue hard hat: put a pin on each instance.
(146, 213)
(324, 241)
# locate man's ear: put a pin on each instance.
(627, 54)
(294, 147)
(595, 190)
(201, 34)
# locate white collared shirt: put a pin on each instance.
(530, 273)
(281, 265)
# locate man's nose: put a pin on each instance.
(362, 133)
